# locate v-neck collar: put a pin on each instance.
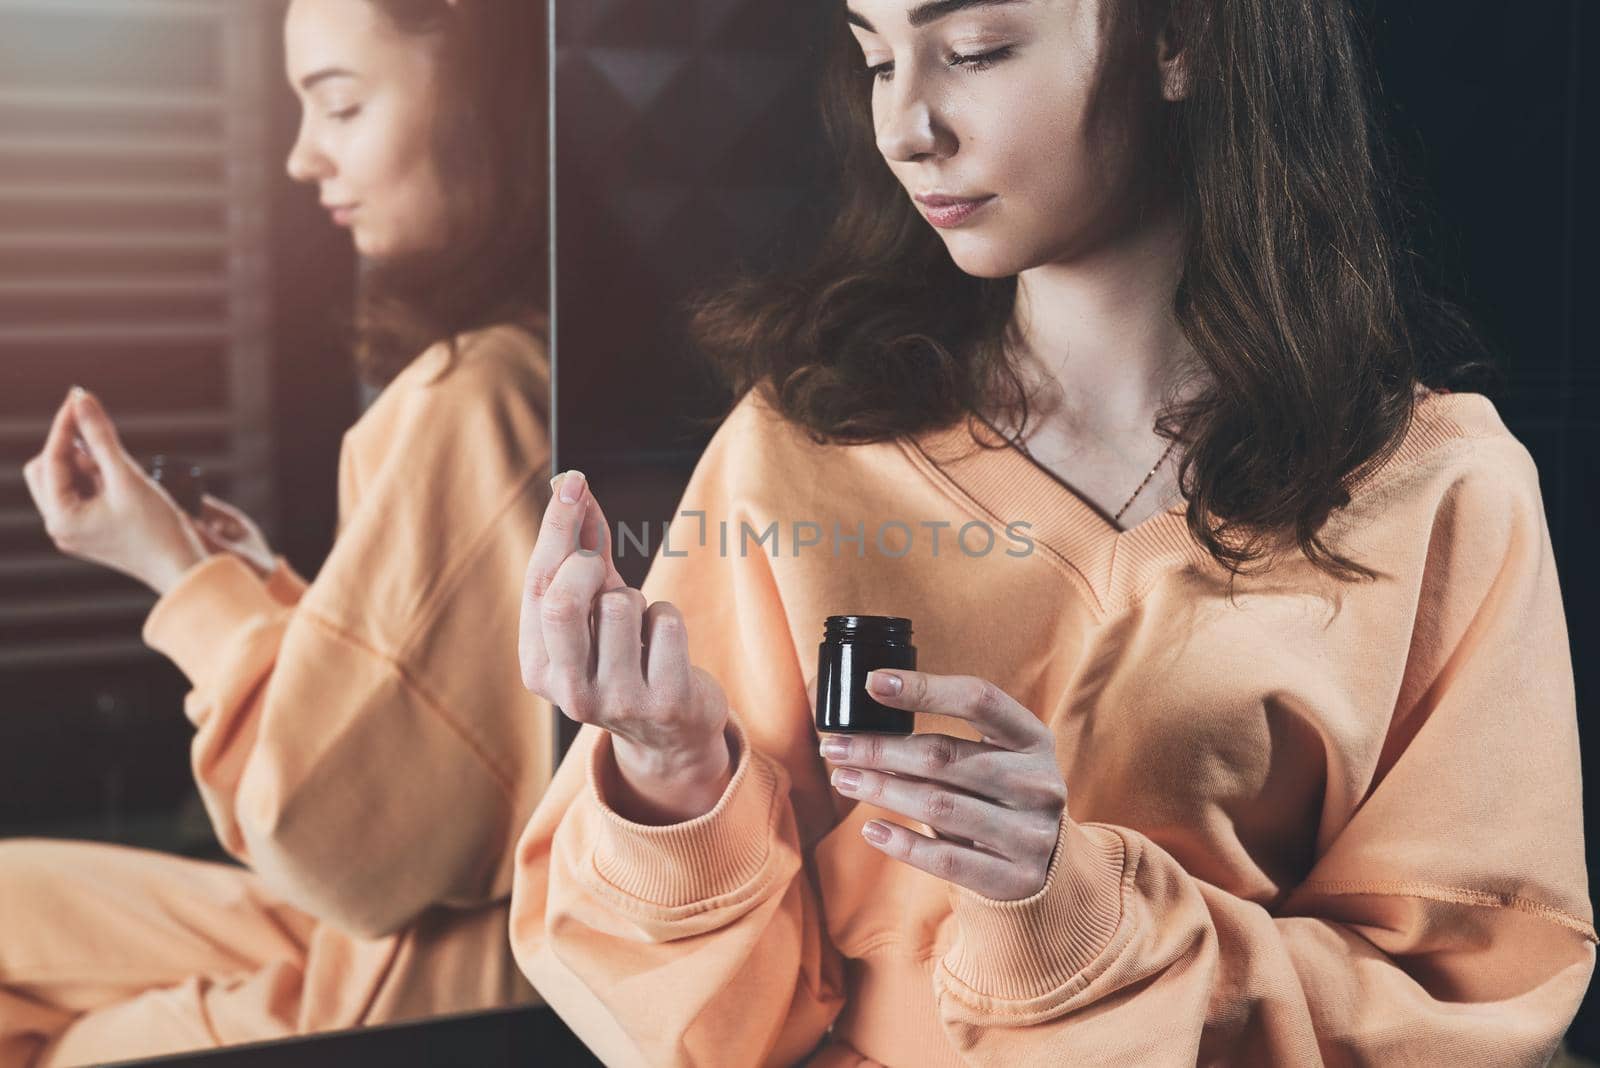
(1114, 567)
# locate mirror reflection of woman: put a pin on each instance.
(1261, 750)
(359, 746)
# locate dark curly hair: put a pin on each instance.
(489, 146)
(1298, 291)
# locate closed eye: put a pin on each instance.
(980, 61)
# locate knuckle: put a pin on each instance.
(560, 610)
(665, 619)
(540, 579)
(985, 696)
(561, 522)
(946, 864)
(616, 606)
(937, 805)
(871, 750)
(938, 753)
(1044, 837)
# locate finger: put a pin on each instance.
(86, 471)
(220, 509)
(983, 704)
(565, 617)
(33, 478)
(948, 811)
(667, 669)
(994, 877)
(557, 538)
(619, 638)
(99, 434)
(594, 536)
(57, 464)
(212, 543)
(976, 767)
(218, 517)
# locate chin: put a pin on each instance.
(370, 248)
(985, 259)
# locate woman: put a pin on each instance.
(1253, 745)
(358, 746)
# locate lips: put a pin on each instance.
(341, 213)
(944, 210)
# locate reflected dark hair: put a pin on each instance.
(1298, 291)
(490, 153)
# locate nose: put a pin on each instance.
(908, 128)
(306, 162)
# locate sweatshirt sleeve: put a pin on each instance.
(342, 747)
(1448, 922)
(698, 943)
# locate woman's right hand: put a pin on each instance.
(628, 673)
(224, 528)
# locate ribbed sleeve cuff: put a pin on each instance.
(1031, 947)
(707, 857)
(284, 584)
(192, 621)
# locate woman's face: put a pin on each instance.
(367, 95)
(997, 120)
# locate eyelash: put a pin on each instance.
(981, 61)
(345, 114)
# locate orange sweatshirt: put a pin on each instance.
(364, 743)
(1324, 824)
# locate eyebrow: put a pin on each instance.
(923, 14)
(323, 75)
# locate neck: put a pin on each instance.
(1096, 337)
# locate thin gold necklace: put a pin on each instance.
(1018, 442)
(1147, 479)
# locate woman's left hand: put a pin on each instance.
(996, 804)
(99, 505)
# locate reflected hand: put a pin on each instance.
(223, 528)
(99, 504)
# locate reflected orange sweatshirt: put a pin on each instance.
(364, 743)
(1324, 823)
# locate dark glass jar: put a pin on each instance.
(851, 647)
(185, 482)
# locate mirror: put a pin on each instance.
(258, 776)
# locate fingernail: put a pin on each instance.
(836, 748)
(882, 682)
(571, 487)
(76, 391)
(873, 831)
(847, 780)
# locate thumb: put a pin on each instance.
(99, 433)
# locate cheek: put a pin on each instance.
(1037, 137)
(395, 168)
